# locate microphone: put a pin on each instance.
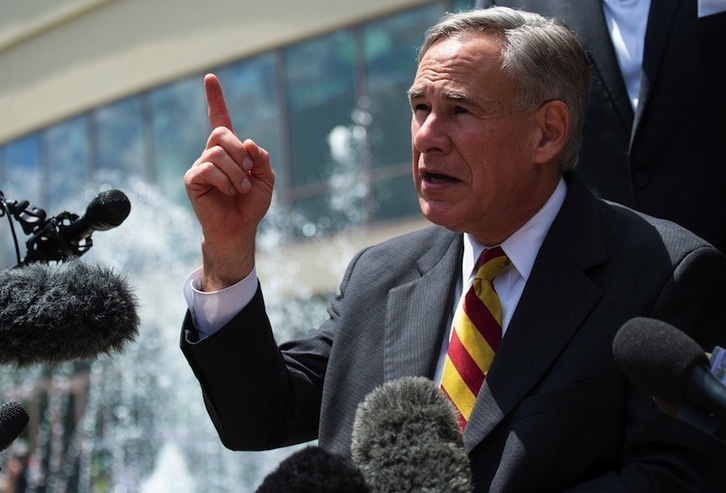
(66, 235)
(672, 367)
(68, 311)
(106, 211)
(406, 438)
(315, 470)
(13, 419)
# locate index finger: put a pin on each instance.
(217, 107)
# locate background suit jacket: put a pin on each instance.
(555, 411)
(668, 159)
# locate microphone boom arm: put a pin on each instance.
(47, 243)
(66, 235)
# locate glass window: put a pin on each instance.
(391, 47)
(65, 150)
(180, 129)
(250, 92)
(320, 77)
(21, 179)
(21, 170)
(332, 111)
(461, 5)
(120, 137)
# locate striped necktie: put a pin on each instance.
(476, 336)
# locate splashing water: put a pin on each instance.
(135, 421)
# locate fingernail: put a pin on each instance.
(247, 164)
(245, 185)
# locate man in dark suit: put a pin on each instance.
(497, 101)
(661, 149)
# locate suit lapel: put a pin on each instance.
(587, 19)
(418, 311)
(556, 300)
(660, 22)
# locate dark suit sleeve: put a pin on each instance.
(660, 453)
(693, 301)
(257, 397)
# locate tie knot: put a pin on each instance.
(491, 262)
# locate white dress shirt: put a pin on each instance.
(627, 21)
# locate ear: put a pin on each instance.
(553, 118)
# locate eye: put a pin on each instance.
(419, 107)
(458, 110)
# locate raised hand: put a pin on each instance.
(230, 187)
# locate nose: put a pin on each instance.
(429, 133)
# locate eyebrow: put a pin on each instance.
(456, 96)
(415, 93)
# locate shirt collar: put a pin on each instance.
(523, 245)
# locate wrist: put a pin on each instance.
(224, 266)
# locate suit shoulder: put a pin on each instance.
(428, 245)
(417, 240)
(639, 230)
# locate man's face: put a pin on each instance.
(473, 153)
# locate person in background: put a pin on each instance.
(498, 104)
(656, 119)
(16, 470)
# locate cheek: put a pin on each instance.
(415, 153)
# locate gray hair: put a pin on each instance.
(541, 56)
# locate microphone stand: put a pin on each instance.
(45, 243)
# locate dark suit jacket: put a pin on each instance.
(555, 411)
(668, 159)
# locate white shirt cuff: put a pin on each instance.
(210, 311)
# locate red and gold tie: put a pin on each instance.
(476, 336)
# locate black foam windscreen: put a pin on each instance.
(315, 470)
(55, 313)
(658, 358)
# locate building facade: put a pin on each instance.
(93, 89)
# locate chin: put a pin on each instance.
(446, 218)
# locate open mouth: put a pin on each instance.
(437, 178)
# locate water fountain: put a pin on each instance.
(134, 421)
